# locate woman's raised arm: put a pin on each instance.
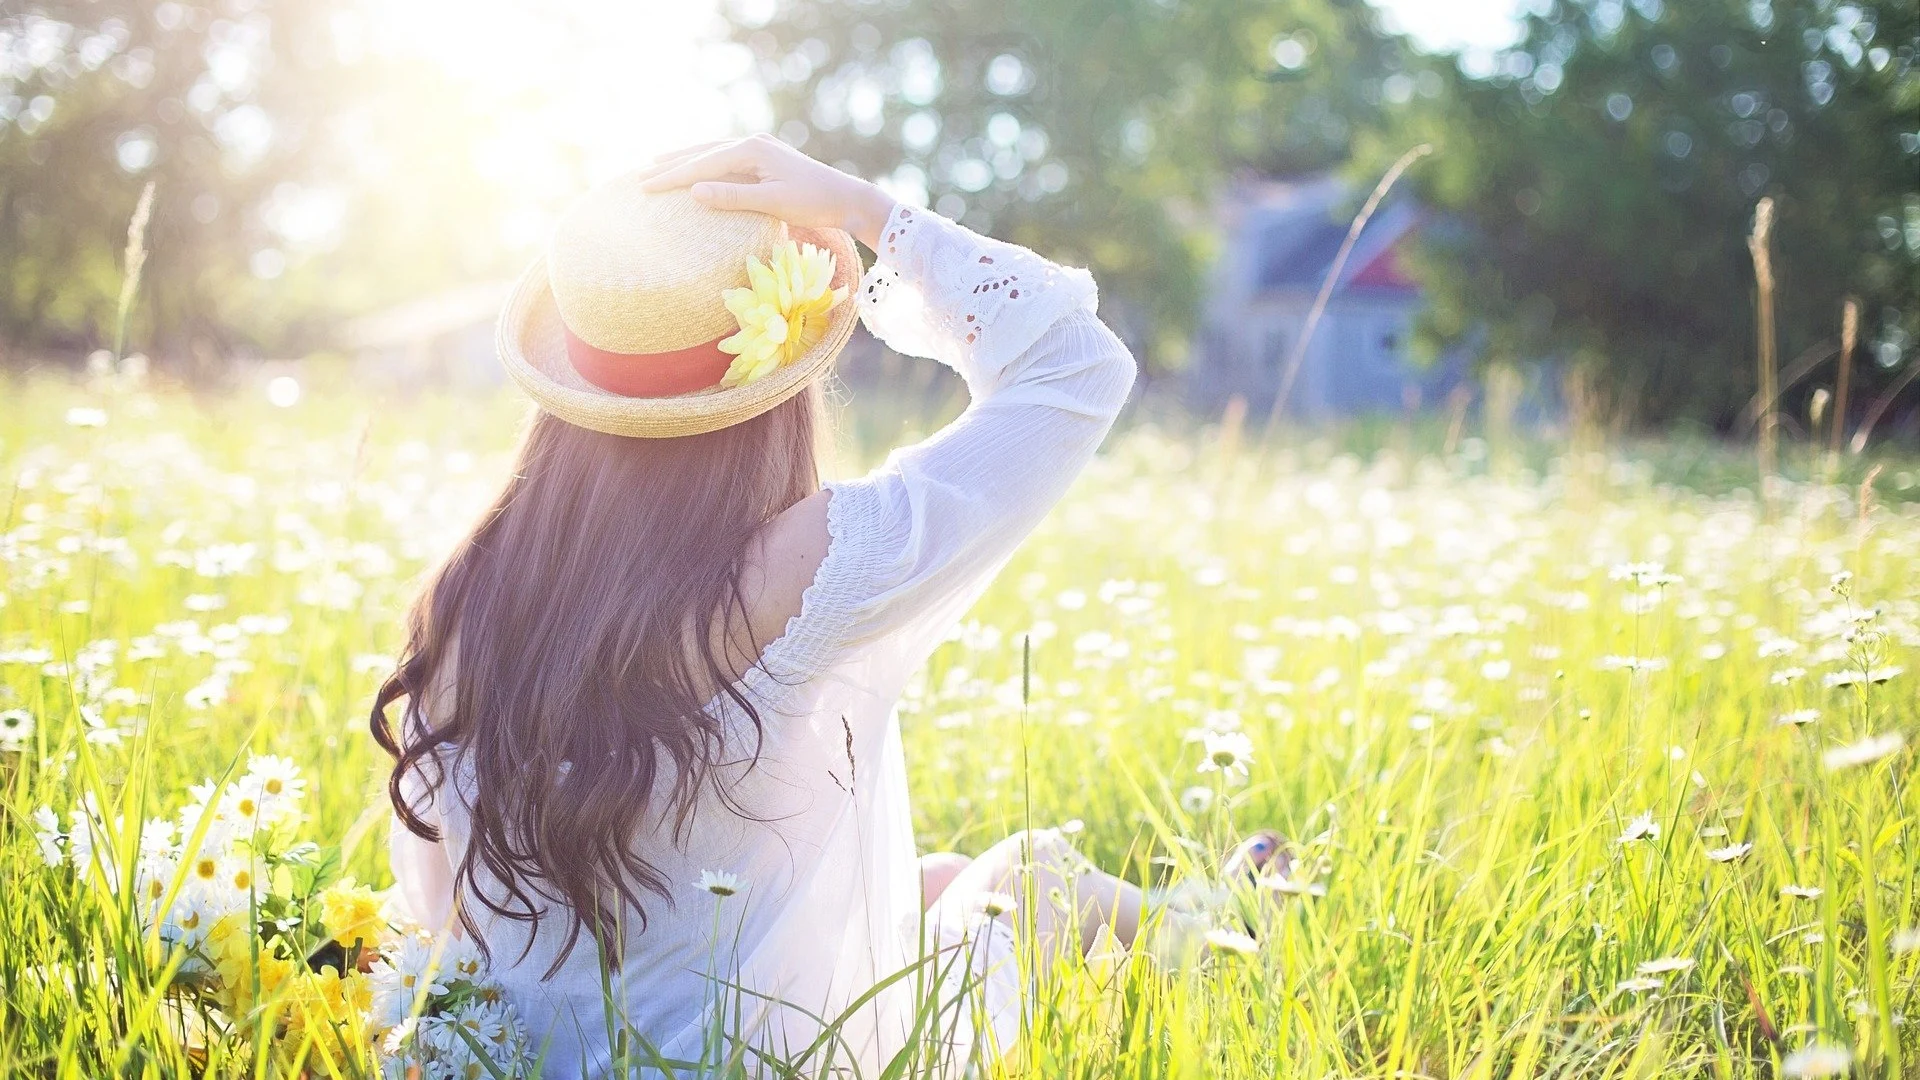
(913, 543)
(926, 531)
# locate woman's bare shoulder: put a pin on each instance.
(778, 567)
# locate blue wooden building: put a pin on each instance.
(1279, 239)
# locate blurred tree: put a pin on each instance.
(1096, 131)
(1603, 179)
(104, 96)
(277, 165)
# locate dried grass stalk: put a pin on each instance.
(136, 261)
(1299, 353)
(1849, 337)
(1759, 243)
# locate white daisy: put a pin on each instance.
(720, 883)
(406, 970)
(1855, 676)
(220, 830)
(16, 730)
(1730, 853)
(1232, 943)
(278, 785)
(507, 1042)
(1664, 965)
(481, 1021)
(242, 807)
(396, 1046)
(1639, 984)
(1865, 752)
(450, 1055)
(1640, 573)
(1817, 1060)
(1228, 752)
(1797, 718)
(1288, 886)
(47, 833)
(158, 864)
(995, 904)
(1642, 827)
(1801, 892)
(461, 959)
(187, 923)
(157, 839)
(1196, 799)
(85, 827)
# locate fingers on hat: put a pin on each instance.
(734, 196)
(662, 162)
(712, 164)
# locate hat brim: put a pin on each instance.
(532, 345)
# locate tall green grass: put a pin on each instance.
(1503, 742)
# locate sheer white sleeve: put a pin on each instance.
(915, 541)
(423, 878)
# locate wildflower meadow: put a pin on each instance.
(1591, 762)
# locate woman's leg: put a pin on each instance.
(937, 871)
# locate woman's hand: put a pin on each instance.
(764, 174)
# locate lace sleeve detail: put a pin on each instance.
(913, 543)
(971, 302)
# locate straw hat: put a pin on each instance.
(617, 327)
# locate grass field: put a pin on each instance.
(1590, 775)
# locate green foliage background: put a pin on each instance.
(1099, 131)
(1605, 181)
(1122, 122)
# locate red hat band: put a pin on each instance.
(649, 375)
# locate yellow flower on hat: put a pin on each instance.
(783, 311)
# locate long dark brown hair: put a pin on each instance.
(569, 647)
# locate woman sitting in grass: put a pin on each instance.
(648, 757)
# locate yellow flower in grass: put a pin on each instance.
(352, 913)
(251, 971)
(323, 1007)
(783, 311)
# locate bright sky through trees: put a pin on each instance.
(1455, 24)
(621, 79)
(617, 81)
(625, 79)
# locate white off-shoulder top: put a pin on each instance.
(832, 901)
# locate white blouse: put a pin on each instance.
(832, 902)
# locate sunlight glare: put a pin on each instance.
(574, 90)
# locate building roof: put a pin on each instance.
(1298, 228)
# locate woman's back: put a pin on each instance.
(799, 794)
(791, 927)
